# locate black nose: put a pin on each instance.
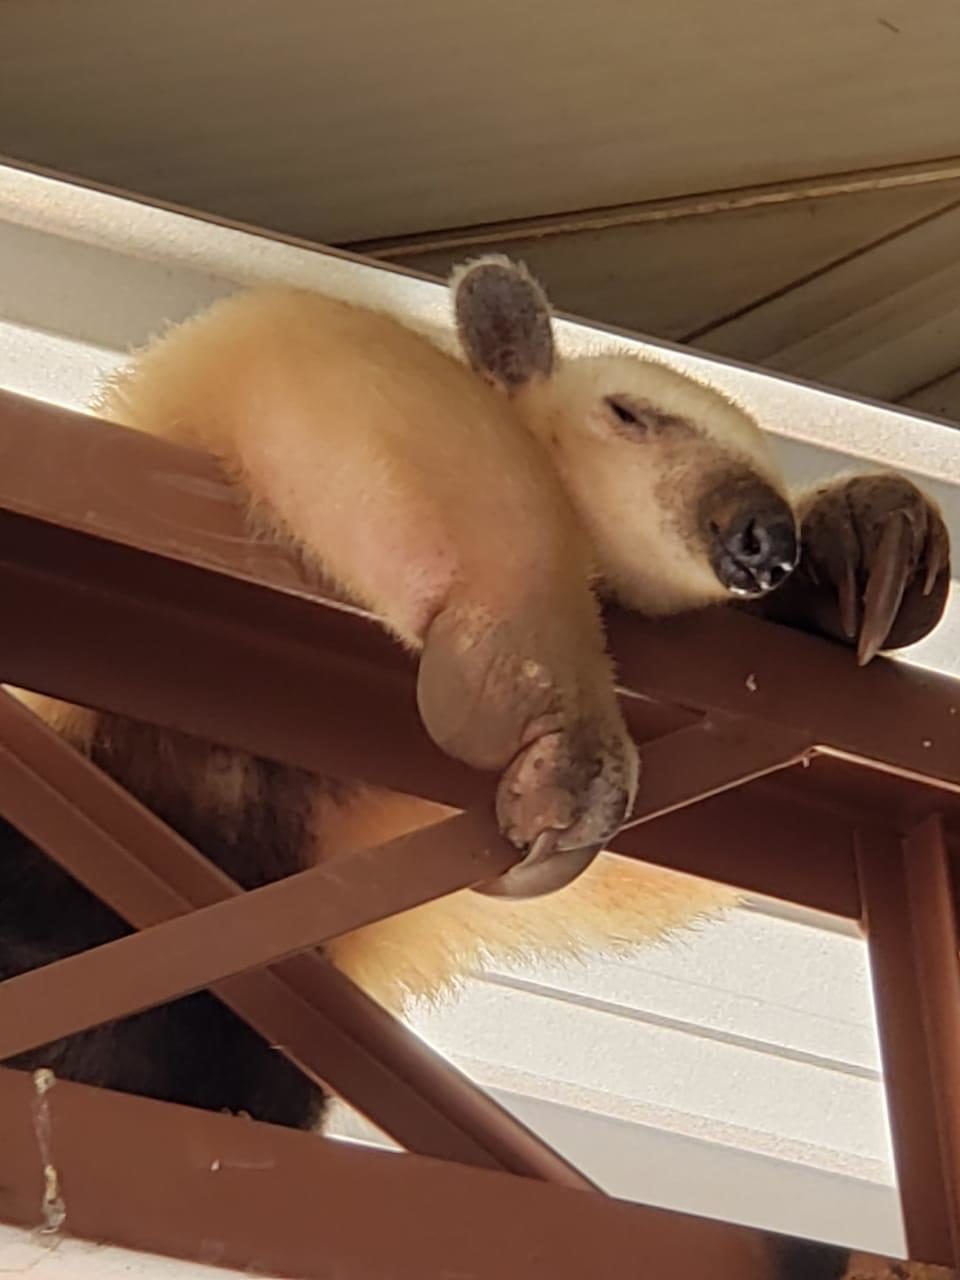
(755, 551)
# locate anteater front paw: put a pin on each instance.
(874, 568)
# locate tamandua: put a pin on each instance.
(479, 504)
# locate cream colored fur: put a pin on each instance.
(628, 495)
(288, 388)
(403, 427)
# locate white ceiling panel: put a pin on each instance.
(351, 121)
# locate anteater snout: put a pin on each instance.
(752, 538)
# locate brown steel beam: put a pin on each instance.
(889, 716)
(91, 826)
(120, 657)
(215, 1189)
(257, 928)
(722, 814)
(932, 916)
(131, 607)
(763, 838)
(267, 670)
(331, 1030)
(227, 938)
(901, 956)
(134, 588)
(123, 490)
(709, 758)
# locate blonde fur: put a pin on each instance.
(400, 420)
(617, 906)
(613, 909)
(288, 389)
(644, 554)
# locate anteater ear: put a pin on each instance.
(503, 321)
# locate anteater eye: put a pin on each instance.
(622, 411)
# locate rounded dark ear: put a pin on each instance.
(503, 321)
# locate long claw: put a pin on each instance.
(542, 871)
(849, 604)
(935, 562)
(889, 574)
(542, 848)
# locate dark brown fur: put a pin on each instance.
(193, 1051)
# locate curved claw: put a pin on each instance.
(875, 570)
(889, 575)
(849, 601)
(936, 560)
(542, 870)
